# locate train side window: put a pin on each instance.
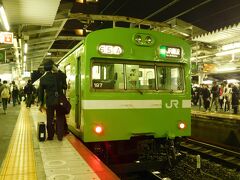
(107, 76)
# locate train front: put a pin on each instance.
(136, 84)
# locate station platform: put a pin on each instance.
(23, 157)
(196, 111)
(219, 128)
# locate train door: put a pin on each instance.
(78, 93)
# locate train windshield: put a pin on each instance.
(137, 76)
(170, 78)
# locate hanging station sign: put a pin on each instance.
(170, 52)
(6, 37)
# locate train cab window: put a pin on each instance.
(107, 76)
(170, 78)
(140, 77)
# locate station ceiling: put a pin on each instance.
(52, 27)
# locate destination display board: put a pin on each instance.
(107, 49)
(170, 52)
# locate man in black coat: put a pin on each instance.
(50, 88)
(61, 77)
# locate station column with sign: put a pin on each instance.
(2, 56)
(6, 39)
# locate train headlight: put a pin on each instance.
(138, 39)
(148, 40)
(98, 129)
(182, 125)
(142, 39)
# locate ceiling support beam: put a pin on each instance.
(92, 17)
(56, 35)
(39, 59)
(70, 38)
(36, 52)
(41, 40)
(53, 38)
(59, 50)
(40, 46)
(53, 57)
(45, 30)
(35, 56)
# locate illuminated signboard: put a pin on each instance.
(110, 50)
(6, 37)
(170, 52)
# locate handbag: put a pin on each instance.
(62, 100)
(64, 104)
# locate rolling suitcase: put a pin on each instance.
(41, 131)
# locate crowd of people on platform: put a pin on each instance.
(11, 92)
(220, 97)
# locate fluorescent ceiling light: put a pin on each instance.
(207, 82)
(25, 48)
(226, 69)
(4, 18)
(223, 53)
(231, 46)
(184, 34)
(232, 81)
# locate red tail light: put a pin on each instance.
(98, 129)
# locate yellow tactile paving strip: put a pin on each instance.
(19, 163)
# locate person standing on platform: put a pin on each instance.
(15, 93)
(51, 86)
(227, 97)
(28, 90)
(61, 77)
(206, 97)
(200, 96)
(5, 94)
(215, 96)
(0, 88)
(221, 97)
(235, 99)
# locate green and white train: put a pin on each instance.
(125, 83)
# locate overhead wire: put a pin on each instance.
(109, 4)
(121, 7)
(159, 10)
(194, 7)
(217, 12)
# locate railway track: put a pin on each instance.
(227, 157)
(186, 166)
